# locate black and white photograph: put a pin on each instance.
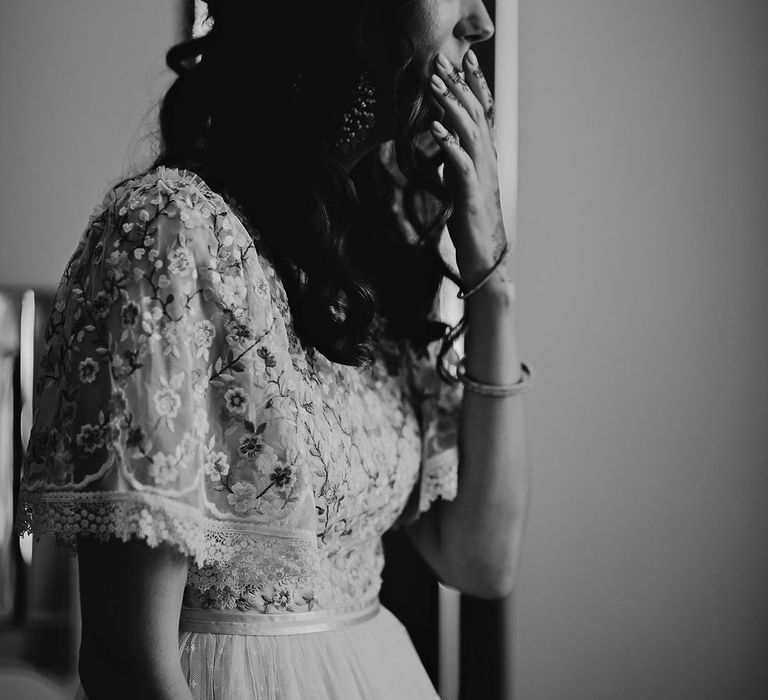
(384, 350)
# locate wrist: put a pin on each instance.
(497, 271)
(499, 293)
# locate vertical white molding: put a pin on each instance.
(507, 128)
(449, 605)
(27, 355)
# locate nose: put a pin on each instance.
(476, 24)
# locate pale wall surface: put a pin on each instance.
(78, 83)
(644, 307)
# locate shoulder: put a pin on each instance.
(164, 250)
(158, 241)
(171, 193)
(167, 218)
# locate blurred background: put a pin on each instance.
(634, 143)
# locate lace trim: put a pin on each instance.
(162, 173)
(439, 478)
(225, 554)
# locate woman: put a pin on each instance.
(245, 383)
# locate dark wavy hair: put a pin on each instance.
(254, 110)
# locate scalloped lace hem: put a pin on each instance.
(225, 551)
(439, 478)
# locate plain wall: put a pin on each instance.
(643, 259)
(79, 83)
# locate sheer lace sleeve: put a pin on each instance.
(438, 406)
(164, 411)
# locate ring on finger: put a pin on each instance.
(439, 84)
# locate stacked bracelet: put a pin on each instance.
(502, 257)
(496, 390)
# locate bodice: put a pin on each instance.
(178, 405)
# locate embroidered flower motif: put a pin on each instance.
(236, 400)
(267, 356)
(118, 264)
(278, 597)
(149, 322)
(101, 305)
(164, 468)
(88, 370)
(202, 337)
(239, 334)
(244, 603)
(90, 437)
(266, 460)
(232, 291)
(129, 315)
(180, 262)
(135, 437)
(136, 201)
(194, 211)
(167, 399)
(244, 497)
(216, 465)
(332, 493)
(283, 477)
(219, 598)
(169, 332)
(250, 445)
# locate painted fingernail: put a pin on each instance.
(443, 62)
(437, 82)
(439, 129)
(472, 58)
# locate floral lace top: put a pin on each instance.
(178, 405)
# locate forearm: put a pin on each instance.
(130, 598)
(472, 542)
(104, 676)
(475, 539)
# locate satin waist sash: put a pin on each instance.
(254, 623)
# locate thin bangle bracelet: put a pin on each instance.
(496, 390)
(502, 257)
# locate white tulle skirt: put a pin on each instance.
(371, 660)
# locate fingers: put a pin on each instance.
(462, 108)
(469, 113)
(464, 95)
(454, 153)
(479, 86)
(456, 116)
(467, 105)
